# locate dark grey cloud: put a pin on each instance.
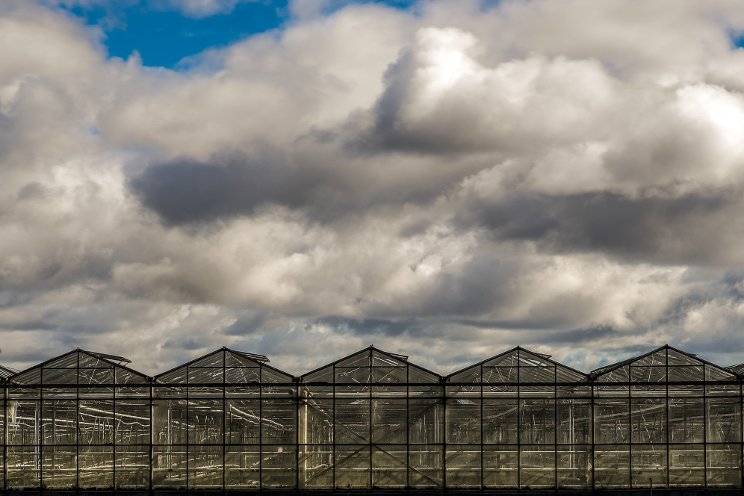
(653, 229)
(185, 191)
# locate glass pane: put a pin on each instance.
(353, 467)
(169, 466)
(611, 467)
(649, 465)
(500, 467)
(724, 465)
(132, 467)
(686, 420)
(96, 467)
(500, 421)
(278, 421)
(352, 421)
(425, 424)
(205, 422)
(611, 419)
(687, 465)
(574, 467)
(537, 421)
(463, 466)
(278, 466)
(389, 467)
(316, 467)
(463, 421)
(242, 467)
(389, 421)
(425, 466)
(205, 467)
(648, 420)
(724, 420)
(537, 467)
(574, 422)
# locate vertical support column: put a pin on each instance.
(481, 427)
(224, 422)
(593, 458)
(705, 428)
(152, 433)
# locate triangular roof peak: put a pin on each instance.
(691, 358)
(202, 361)
(60, 361)
(518, 356)
(370, 352)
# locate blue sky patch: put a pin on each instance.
(164, 37)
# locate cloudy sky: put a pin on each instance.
(444, 179)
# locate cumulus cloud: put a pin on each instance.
(444, 183)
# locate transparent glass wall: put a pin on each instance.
(518, 420)
(667, 419)
(226, 420)
(79, 420)
(371, 420)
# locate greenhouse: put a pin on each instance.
(372, 421)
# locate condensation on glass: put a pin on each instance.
(372, 420)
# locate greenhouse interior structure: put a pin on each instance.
(372, 421)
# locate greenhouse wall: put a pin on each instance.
(229, 421)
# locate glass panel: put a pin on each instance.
(96, 422)
(242, 421)
(389, 467)
(169, 466)
(425, 466)
(537, 421)
(353, 467)
(463, 466)
(352, 421)
(60, 467)
(242, 467)
(611, 467)
(648, 420)
(500, 467)
(205, 467)
(724, 420)
(537, 467)
(425, 424)
(687, 465)
(649, 465)
(574, 467)
(132, 467)
(169, 422)
(389, 421)
(24, 467)
(686, 420)
(500, 421)
(205, 421)
(132, 419)
(574, 422)
(24, 422)
(724, 465)
(470, 375)
(59, 424)
(96, 467)
(463, 421)
(316, 417)
(316, 467)
(278, 466)
(500, 374)
(278, 421)
(611, 418)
